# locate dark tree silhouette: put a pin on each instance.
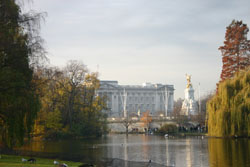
(20, 48)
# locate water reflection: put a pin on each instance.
(170, 152)
(145, 147)
(188, 151)
(126, 150)
(77, 150)
(229, 152)
(178, 152)
(167, 155)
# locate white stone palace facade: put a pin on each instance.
(130, 100)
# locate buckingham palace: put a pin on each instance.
(129, 100)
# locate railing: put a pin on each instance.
(137, 119)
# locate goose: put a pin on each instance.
(24, 160)
(87, 165)
(63, 165)
(32, 160)
(149, 163)
(56, 163)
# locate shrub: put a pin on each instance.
(168, 128)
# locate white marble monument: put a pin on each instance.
(189, 105)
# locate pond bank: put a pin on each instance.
(14, 160)
(119, 149)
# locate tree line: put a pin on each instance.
(229, 109)
(69, 104)
(36, 99)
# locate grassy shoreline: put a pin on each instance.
(16, 161)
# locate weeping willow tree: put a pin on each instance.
(20, 46)
(229, 109)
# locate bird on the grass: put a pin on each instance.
(56, 163)
(32, 160)
(63, 165)
(86, 165)
(24, 160)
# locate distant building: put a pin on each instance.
(128, 100)
(189, 105)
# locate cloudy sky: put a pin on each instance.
(136, 41)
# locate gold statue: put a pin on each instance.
(188, 81)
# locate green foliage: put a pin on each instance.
(53, 121)
(229, 110)
(19, 102)
(168, 129)
(69, 105)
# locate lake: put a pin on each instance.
(156, 150)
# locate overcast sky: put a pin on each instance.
(136, 41)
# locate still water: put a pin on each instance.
(179, 152)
